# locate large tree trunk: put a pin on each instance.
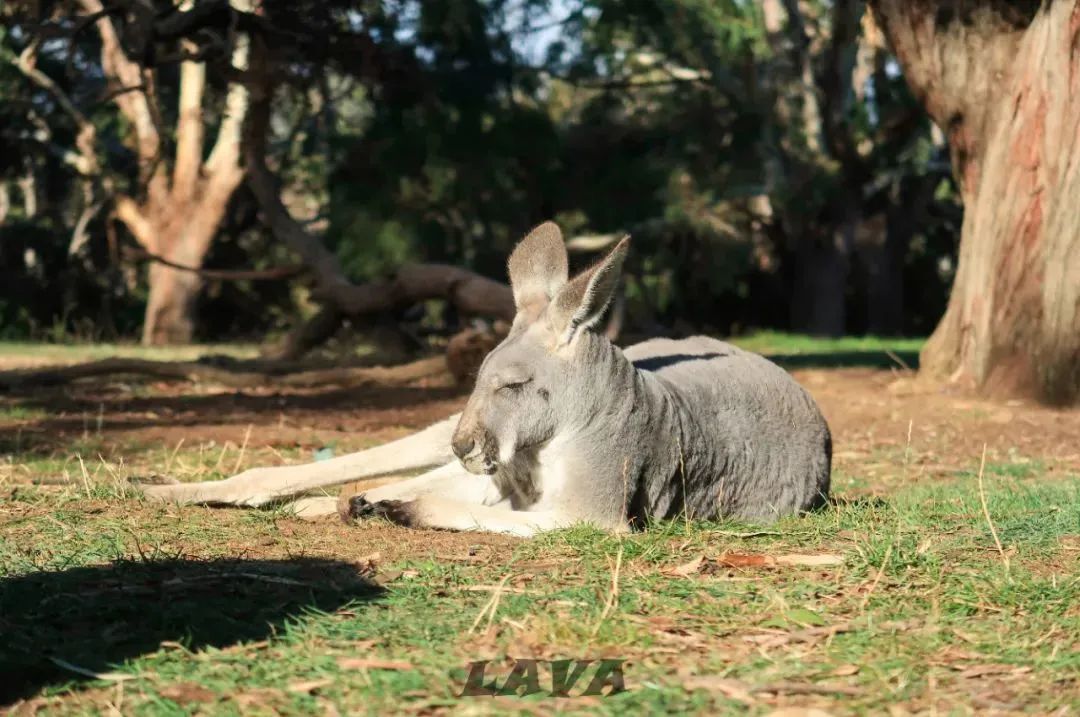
(170, 306)
(1003, 80)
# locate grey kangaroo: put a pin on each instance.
(563, 427)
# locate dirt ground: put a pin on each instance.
(868, 411)
(66, 452)
(887, 428)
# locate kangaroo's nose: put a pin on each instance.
(462, 445)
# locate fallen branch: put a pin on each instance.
(471, 294)
(236, 375)
(274, 274)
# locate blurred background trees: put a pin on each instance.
(768, 158)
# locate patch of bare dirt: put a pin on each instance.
(871, 412)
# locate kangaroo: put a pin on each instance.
(563, 427)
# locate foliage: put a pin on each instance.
(442, 130)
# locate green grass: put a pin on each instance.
(778, 342)
(921, 603)
(75, 352)
(798, 347)
(801, 351)
(208, 611)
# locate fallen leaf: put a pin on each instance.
(845, 670)
(184, 693)
(686, 569)
(388, 577)
(815, 560)
(369, 564)
(807, 688)
(991, 669)
(366, 663)
(732, 689)
(307, 686)
(810, 634)
(245, 646)
(966, 637)
(262, 697)
(738, 560)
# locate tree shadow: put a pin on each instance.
(96, 617)
(68, 415)
(848, 359)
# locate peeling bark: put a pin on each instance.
(1003, 81)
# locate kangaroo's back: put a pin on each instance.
(761, 447)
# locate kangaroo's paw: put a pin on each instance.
(400, 512)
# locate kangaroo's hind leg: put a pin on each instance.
(259, 486)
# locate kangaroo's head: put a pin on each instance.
(536, 381)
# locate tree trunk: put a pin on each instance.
(170, 306)
(1003, 80)
(880, 245)
(818, 298)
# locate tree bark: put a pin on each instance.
(170, 306)
(1003, 80)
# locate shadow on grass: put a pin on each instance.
(849, 359)
(63, 417)
(95, 618)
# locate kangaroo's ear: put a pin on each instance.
(581, 303)
(538, 267)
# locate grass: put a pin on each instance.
(925, 601)
(801, 351)
(25, 354)
(922, 610)
(797, 348)
(779, 342)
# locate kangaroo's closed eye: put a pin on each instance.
(515, 385)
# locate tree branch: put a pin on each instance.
(86, 136)
(135, 106)
(274, 274)
(223, 165)
(189, 125)
(128, 211)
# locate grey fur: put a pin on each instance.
(564, 427)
